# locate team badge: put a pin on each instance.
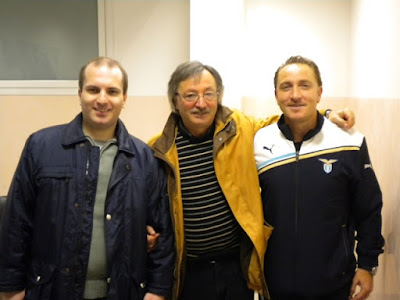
(328, 164)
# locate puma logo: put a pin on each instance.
(269, 149)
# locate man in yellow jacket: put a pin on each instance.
(213, 186)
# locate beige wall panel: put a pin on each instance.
(22, 115)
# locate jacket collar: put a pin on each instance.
(223, 114)
(168, 135)
(74, 135)
(288, 133)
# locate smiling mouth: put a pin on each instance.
(101, 110)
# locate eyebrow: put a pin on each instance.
(207, 89)
(291, 82)
(89, 86)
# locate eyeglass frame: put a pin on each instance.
(215, 97)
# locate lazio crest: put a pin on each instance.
(328, 164)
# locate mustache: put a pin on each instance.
(199, 111)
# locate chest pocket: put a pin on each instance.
(53, 175)
(55, 185)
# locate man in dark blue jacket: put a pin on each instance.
(320, 193)
(74, 225)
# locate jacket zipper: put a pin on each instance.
(82, 208)
(296, 200)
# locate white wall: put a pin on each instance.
(376, 46)
(150, 38)
(216, 39)
(278, 29)
(251, 38)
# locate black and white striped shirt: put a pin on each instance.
(210, 227)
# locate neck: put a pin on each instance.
(298, 134)
(196, 132)
(99, 134)
(300, 129)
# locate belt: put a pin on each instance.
(212, 259)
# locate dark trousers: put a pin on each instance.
(219, 279)
(341, 294)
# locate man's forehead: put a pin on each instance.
(303, 70)
(103, 68)
(204, 77)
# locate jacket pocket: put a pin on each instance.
(40, 281)
(56, 172)
(55, 187)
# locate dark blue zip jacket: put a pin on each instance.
(321, 197)
(47, 224)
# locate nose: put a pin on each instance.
(102, 97)
(201, 102)
(296, 92)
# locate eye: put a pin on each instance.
(285, 87)
(191, 96)
(305, 85)
(113, 92)
(209, 95)
(92, 90)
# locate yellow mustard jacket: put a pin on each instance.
(236, 172)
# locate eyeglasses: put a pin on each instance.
(192, 97)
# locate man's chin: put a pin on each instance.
(202, 123)
(201, 118)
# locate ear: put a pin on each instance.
(79, 92)
(320, 89)
(174, 103)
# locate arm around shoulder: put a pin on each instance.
(161, 259)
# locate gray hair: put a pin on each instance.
(191, 69)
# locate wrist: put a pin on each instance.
(371, 270)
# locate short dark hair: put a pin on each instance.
(188, 70)
(298, 59)
(109, 62)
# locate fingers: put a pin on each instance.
(353, 289)
(361, 295)
(152, 237)
(364, 280)
(349, 117)
(152, 241)
(343, 118)
(12, 295)
(150, 230)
